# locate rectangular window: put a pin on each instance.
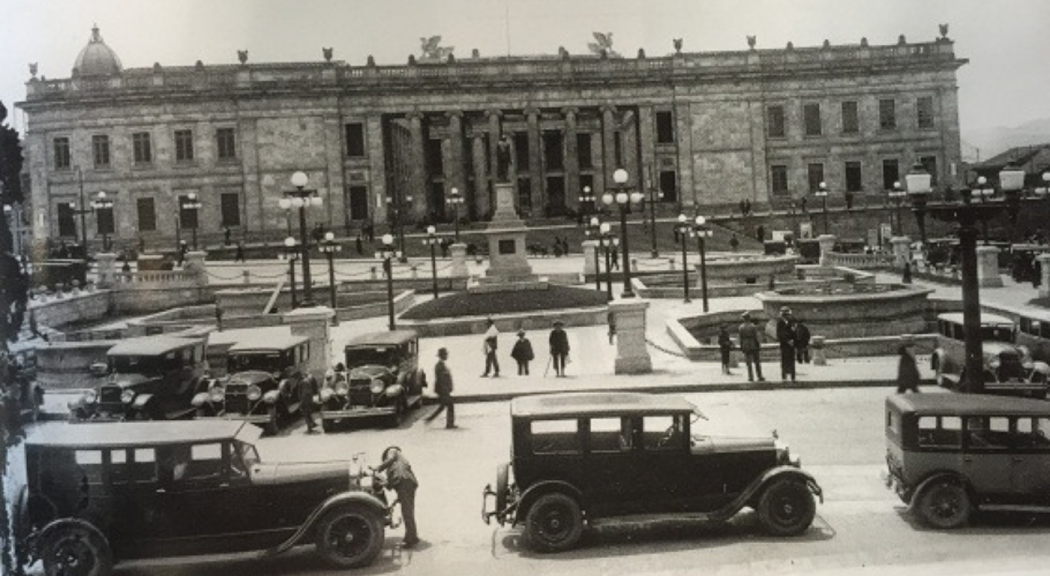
(663, 433)
(187, 216)
(142, 148)
(815, 173)
(854, 181)
(184, 145)
(147, 213)
(618, 147)
(355, 140)
(811, 114)
(226, 143)
(669, 185)
(775, 115)
(358, 203)
(611, 435)
(887, 114)
(100, 150)
(104, 223)
(988, 433)
(231, 209)
(553, 148)
(924, 109)
(555, 437)
(67, 225)
(891, 174)
(434, 156)
(778, 176)
(664, 127)
(929, 163)
(583, 151)
(61, 146)
(521, 152)
(90, 464)
(850, 120)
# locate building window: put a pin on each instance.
(778, 176)
(230, 203)
(189, 218)
(67, 226)
(521, 152)
(891, 173)
(775, 115)
(929, 163)
(887, 114)
(854, 179)
(184, 145)
(583, 151)
(434, 157)
(664, 127)
(850, 121)
(811, 114)
(355, 140)
(669, 185)
(358, 203)
(61, 146)
(147, 214)
(100, 150)
(142, 148)
(226, 143)
(815, 172)
(925, 111)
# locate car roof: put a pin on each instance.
(596, 404)
(135, 434)
(986, 318)
(969, 404)
(151, 345)
(267, 343)
(388, 338)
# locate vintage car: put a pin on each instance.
(166, 489)
(948, 455)
(382, 378)
(149, 378)
(598, 457)
(1008, 368)
(262, 381)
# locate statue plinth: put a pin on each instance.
(508, 265)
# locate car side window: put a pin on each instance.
(662, 433)
(611, 435)
(555, 437)
(205, 462)
(90, 463)
(988, 433)
(143, 467)
(940, 431)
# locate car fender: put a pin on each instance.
(936, 359)
(141, 401)
(394, 391)
(755, 489)
(539, 489)
(332, 503)
(1041, 367)
(935, 477)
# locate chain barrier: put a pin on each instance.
(227, 278)
(651, 265)
(665, 350)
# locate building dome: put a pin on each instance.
(97, 59)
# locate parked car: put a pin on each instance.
(166, 489)
(150, 378)
(948, 455)
(1008, 368)
(596, 457)
(262, 382)
(382, 378)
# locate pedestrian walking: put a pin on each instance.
(743, 208)
(443, 388)
(238, 256)
(786, 339)
(751, 346)
(734, 243)
(401, 479)
(802, 337)
(359, 245)
(615, 255)
(183, 249)
(760, 233)
(725, 346)
(907, 369)
(307, 390)
(489, 347)
(522, 353)
(559, 343)
(803, 202)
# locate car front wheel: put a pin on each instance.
(554, 523)
(944, 504)
(76, 550)
(786, 508)
(350, 537)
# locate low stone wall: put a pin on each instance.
(72, 309)
(740, 268)
(510, 323)
(900, 310)
(402, 302)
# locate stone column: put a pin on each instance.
(590, 247)
(495, 131)
(1044, 274)
(455, 178)
(827, 244)
(107, 269)
(535, 162)
(608, 143)
(901, 251)
(632, 351)
(314, 323)
(988, 267)
(195, 264)
(417, 178)
(481, 200)
(458, 252)
(572, 161)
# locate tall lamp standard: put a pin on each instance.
(191, 204)
(606, 241)
(1044, 192)
(918, 181)
(702, 231)
(329, 247)
(623, 199)
(454, 200)
(822, 193)
(433, 240)
(587, 200)
(103, 208)
(655, 195)
(387, 253)
(302, 198)
(897, 194)
(594, 231)
(397, 207)
(984, 193)
(291, 252)
(684, 229)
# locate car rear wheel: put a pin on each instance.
(554, 523)
(786, 508)
(76, 550)
(944, 504)
(350, 537)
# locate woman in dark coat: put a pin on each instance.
(907, 370)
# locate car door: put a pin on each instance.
(987, 454)
(1030, 466)
(664, 462)
(613, 471)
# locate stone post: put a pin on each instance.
(1044, 272)
(195, 264)
(816, 346)
(901, 251)
(589, 248)
(458, 251)
(632, 351)
(827, 244)
(988, 267)
(107, 269)
(314, 323)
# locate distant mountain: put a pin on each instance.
(984, 143)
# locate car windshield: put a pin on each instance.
(145, 365)
(381, 355)
(265, 361)
(249, 455)
(1000, 333)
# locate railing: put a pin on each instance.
(859, 261)
(155, 277)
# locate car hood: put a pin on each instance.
(126, 380)
(368, 371)
(300, 472)
(250, 377)
(731, 444)
(993, 348)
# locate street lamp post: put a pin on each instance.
(607, 240)
(918, 181)
(983, 193)
(192, 204)
(587, 199)
(655, 195)
(1011, 180)
(387, 253)
(103, 208)
(1044, 192)
(897, 194)
(302, 198)
(822, 193)
(397, 207)
(292, 254)
(683, 229)
(594, 230)
(623, 199)
(329, 247)
(455, 199)
(702, 231)
(432, 240)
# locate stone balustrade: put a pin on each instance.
(860, 261)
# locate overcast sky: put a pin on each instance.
(1007, 41)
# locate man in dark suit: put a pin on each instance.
(401, 479)
(751, 347)
(307, 390)
(786, 338)
(559, 343)
(443, 387)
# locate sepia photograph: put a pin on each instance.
(524, 287)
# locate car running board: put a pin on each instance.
(670, 518)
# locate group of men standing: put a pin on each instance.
(522, 351)
(792, 336)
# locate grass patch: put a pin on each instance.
(483, 304)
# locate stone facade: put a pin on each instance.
(697, 126)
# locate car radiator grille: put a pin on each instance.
(109, 394)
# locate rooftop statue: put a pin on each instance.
(431, 49)
(603, 45)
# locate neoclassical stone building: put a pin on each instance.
(706, 129)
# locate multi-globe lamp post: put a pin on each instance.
(684, 230)
(329, 247)
(302, 198)
(291, 252)
(822, 193)
(593, 230)
(702, 232)
(387, 252)
(655, 196)
(918, 182)
(433, 240)
(103, 207)
(607, 240)
(587, 201)
(897, 194)
(454, 200)
(191, 205)
(623, 199)
(397, 205)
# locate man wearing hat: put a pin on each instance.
(443, 388)
(401, 479)
(559, 342)
(750, 345)
(907, 369)
(522, 353)
(786, 338)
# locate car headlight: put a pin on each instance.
(993, 363)
(326, 394)
(90, 397)
(377, 386)
(342, 388)
(199, 399)
(216, 394)
(127, 396)
(254, 393)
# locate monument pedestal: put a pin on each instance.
(901, 251)
(195, 262)
(458, 251)
(313, 322)
(107, 269)
(508, 265)
(590, 248)
(827, 244)
(988, 267)
(632, 351)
